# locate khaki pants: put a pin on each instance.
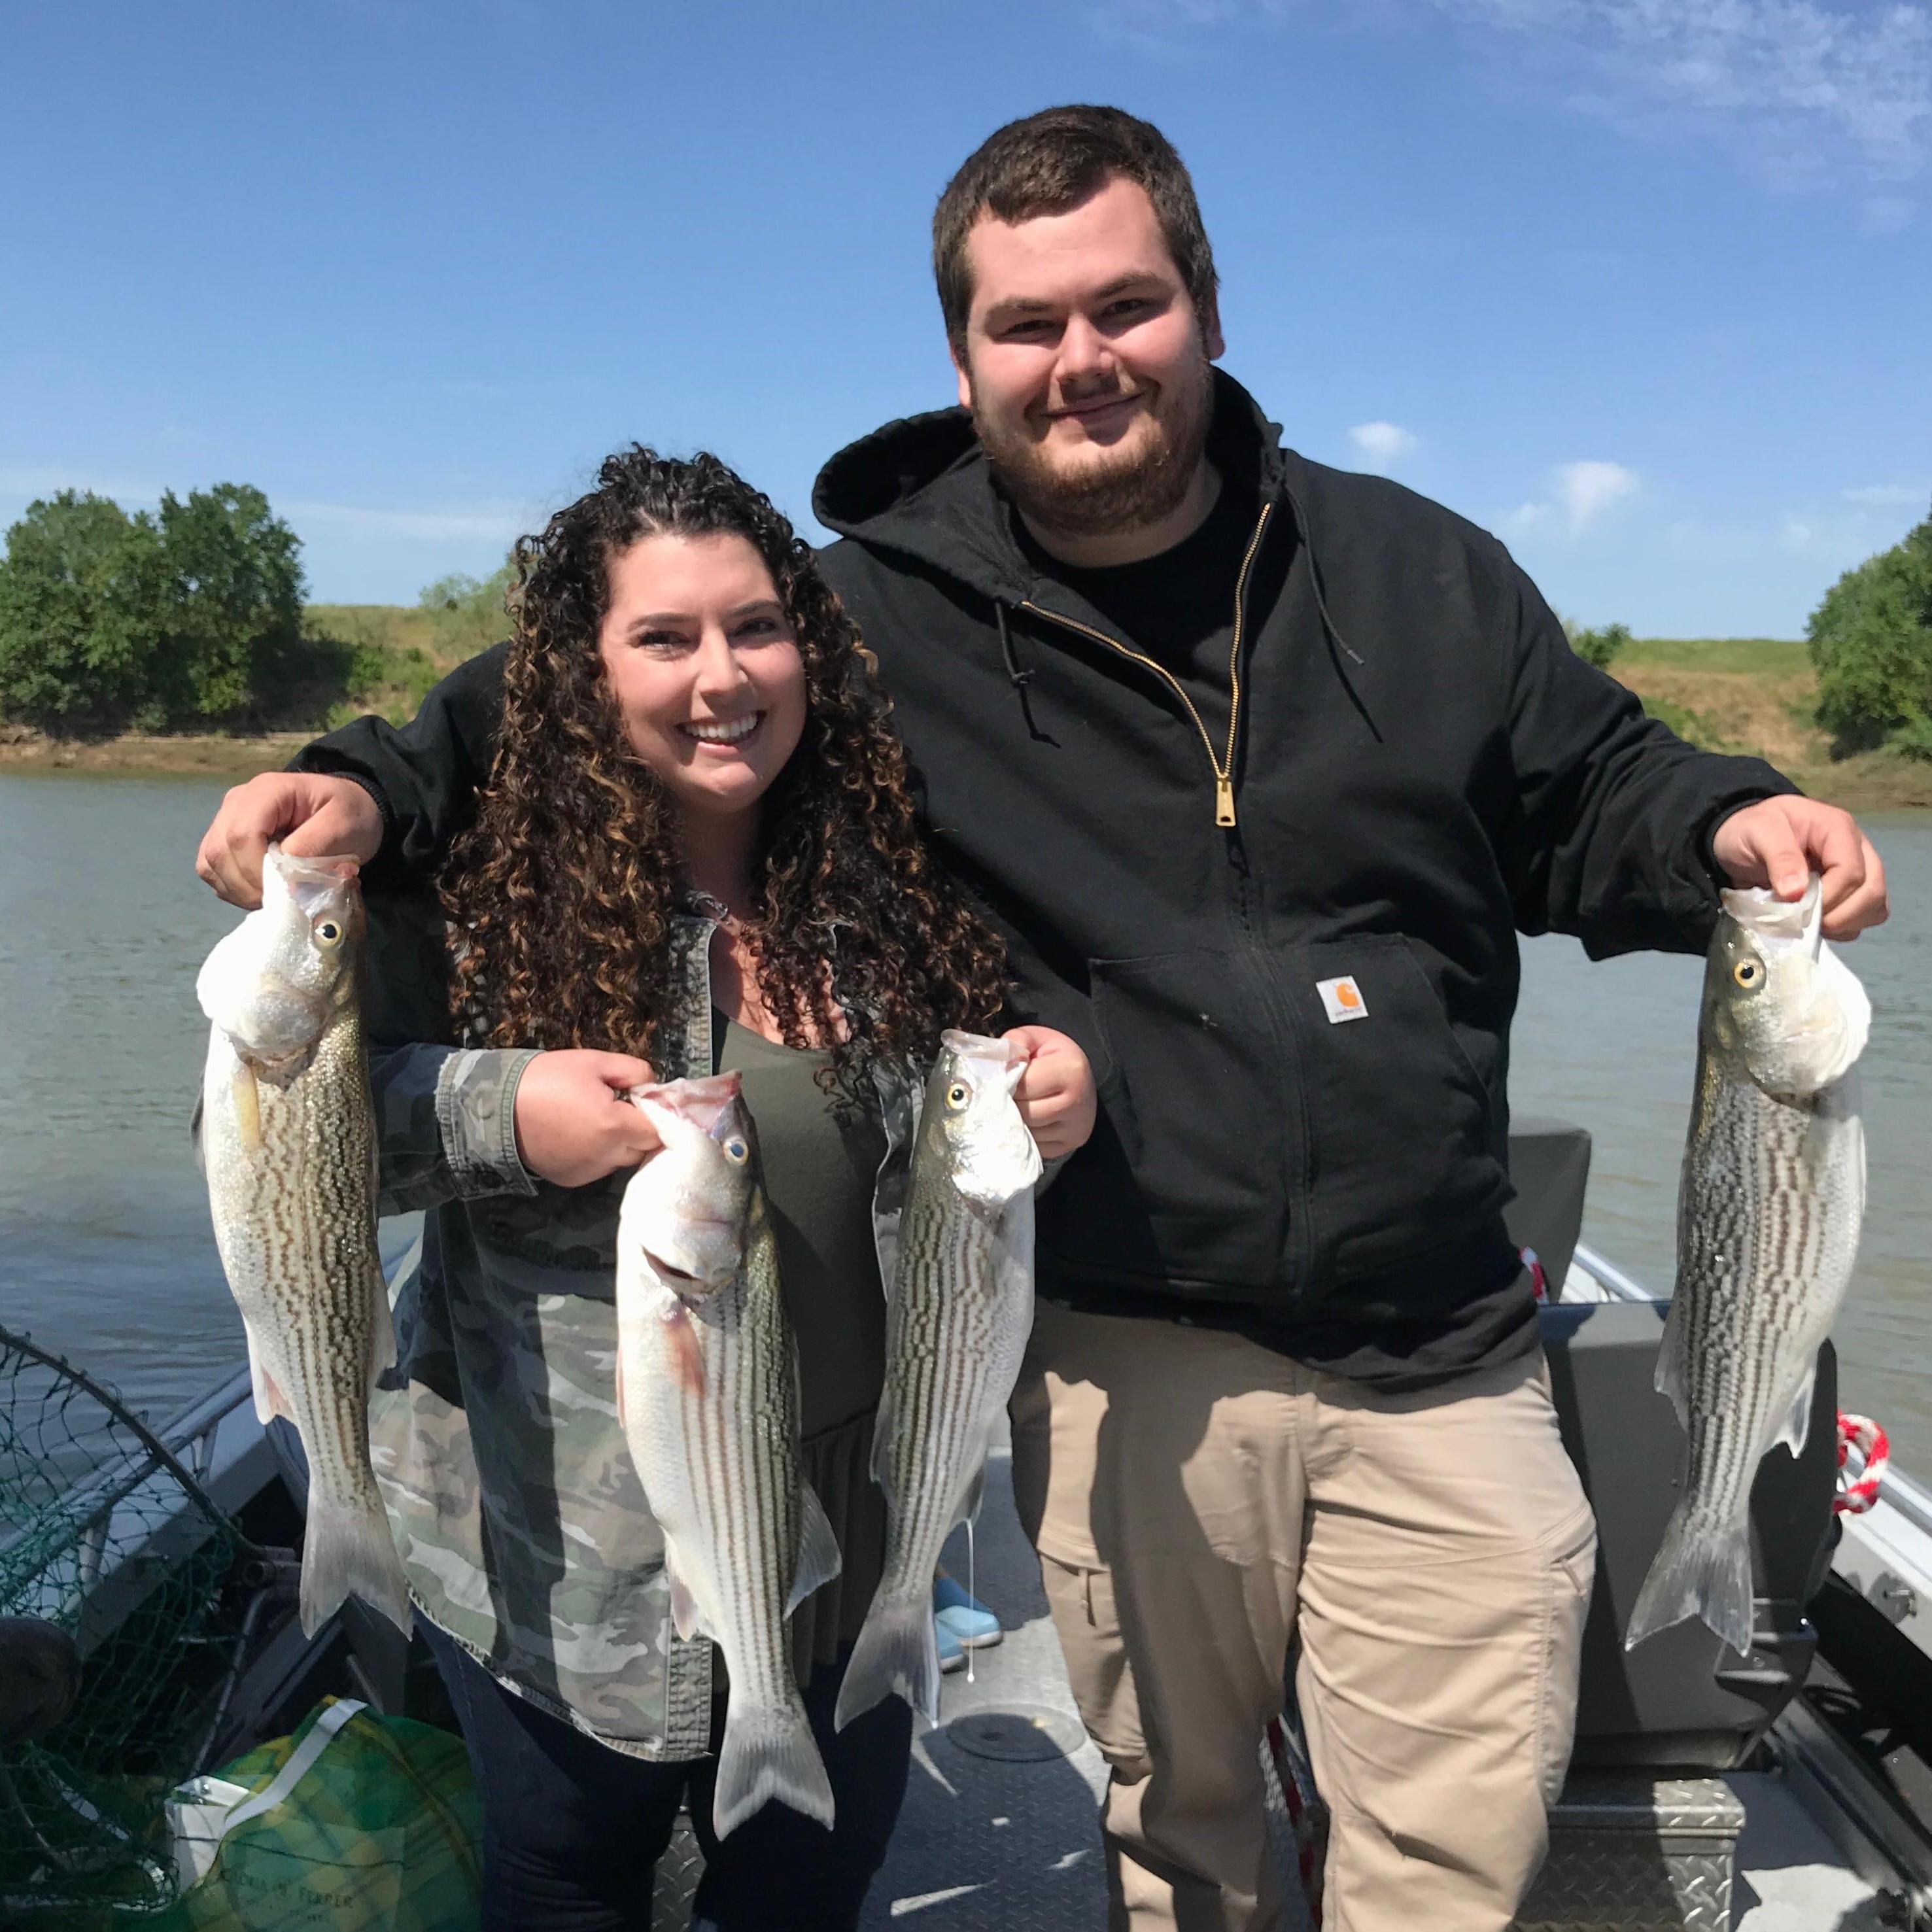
(1199, 1503)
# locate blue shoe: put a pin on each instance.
(969, 1620)
(952, 1651)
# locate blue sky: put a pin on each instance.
(1643, 285)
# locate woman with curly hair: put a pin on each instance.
(695, 851)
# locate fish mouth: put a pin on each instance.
(681, 1282)
(278, 1068)
(672, 1277)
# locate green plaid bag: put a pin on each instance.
(358, 1823)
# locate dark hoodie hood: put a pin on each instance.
(922, 487)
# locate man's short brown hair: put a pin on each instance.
(1052, 161)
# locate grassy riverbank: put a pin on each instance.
(1754, 694)
(1757, 695)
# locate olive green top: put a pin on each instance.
(821, 1158)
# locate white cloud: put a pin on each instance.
(1832, 540)
(1804, 89)
(1584, 491)
(24, 482)
(486, 523)
(1588, 489)
(1159, 27)
(1383, 445)
(1887, 213)
(480, 523)
(1890, 496)
(1801, 92)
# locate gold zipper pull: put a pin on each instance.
(1224, 800)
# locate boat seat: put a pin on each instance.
(1550, 1163)
(1682, 1700)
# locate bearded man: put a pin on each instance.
(1262, 766)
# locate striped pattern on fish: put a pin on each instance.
(287, 1134)
(961, 1311)
(1768, 1213)
(707, 1393)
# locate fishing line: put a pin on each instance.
(973, 1594)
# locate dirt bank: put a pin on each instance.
(1753, 694)
(208, 755)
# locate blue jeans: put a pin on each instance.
(572, 1829)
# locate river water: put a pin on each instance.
(105, 1252)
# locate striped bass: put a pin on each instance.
(286, 1133)
(961, 1309)
(707, 1395)
(1768, 1209)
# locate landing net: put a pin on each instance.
(105, 1537)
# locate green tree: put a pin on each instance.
(232, 616)
(1598, 647)
(81, 587)
(1871, 646)
(467, 612)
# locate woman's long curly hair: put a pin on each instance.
(563, 892)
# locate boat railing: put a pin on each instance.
(145, 1506)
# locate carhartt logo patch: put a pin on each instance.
(1342, 999)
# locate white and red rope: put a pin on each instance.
(1857, 1493)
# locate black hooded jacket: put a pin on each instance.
(1299, 1020)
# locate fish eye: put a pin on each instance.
(1748, 972)
(327, 932)
(736, 1151)
(958, 1094)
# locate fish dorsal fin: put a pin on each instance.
(818, 1558)
(1797, 1426)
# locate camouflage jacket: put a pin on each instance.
(523, 1527)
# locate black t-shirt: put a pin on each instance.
(1178, 607)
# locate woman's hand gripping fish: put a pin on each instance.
(707, 1394)
(1773, 1191)
(286, 1136)
(961, 1310)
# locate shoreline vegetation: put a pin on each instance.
(181, 640)
(1741, 694)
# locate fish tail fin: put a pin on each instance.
(347, 1551)
(768, 1753)
(897, 1655)
(1700, 1570)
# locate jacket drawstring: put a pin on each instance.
(1017, 676)
(1339, 647)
